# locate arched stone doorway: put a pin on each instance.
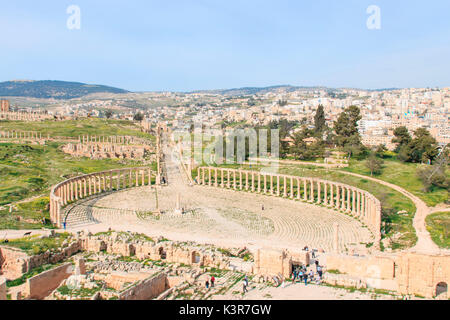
(162, 253)
(195, 257)
(441, 290)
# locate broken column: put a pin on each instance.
(3, 288)
(80, 267)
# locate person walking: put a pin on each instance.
(212, 281)
(305, 278)
(319, 271)
(311, 275)
(294, 276)
(207, 284)
(244, 287)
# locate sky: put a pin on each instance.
(184, 45)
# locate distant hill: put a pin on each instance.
(254, 90)
(52, 89)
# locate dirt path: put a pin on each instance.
(424, 243)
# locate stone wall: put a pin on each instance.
(406, 273)
(14, 262)
(377, 267)
(420, 274)
(146, 289)
(2, 288)
(269, 262)
(41, 285)
(358, 203)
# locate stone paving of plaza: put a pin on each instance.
(221, 217)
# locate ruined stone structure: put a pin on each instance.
(4, 106)
(350, 200)
(114, 147)
(25, 116)
(93, 184)
(119, 140)
(404, 272)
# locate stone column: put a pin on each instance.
(259, 182)
(292, 188)
(265, 183)
(285, 186)
(228, 179)
(216, 177)
(209, 177)
(353, 202)
(234, 180)
(143, 178)
(240, 180)
(336, 238)
(76, 189)
(298, 189)
(271, 185)
(325, 194)
(278, 185)
(3, 296)
(222, 178)
(319, 191)
(312, 190)
(363, 205)
(358, 204)
(305, 190)
(348, 200)
(246, 181)
(332, 194)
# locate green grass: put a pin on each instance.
(438, 225)
(404, 175)
(35, 245)
(31, 170)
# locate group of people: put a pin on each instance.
(210, 282)
(301, 274)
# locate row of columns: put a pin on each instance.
(24, 116)
(112, 139)
(21, 135)
(356, 202)
(84, 186)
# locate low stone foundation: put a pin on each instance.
(41, 285)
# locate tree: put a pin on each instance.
(402, 138)
(346, 127)
(380, 150)
(108, 114)
(374, 164)
(138, 117)
(319, 121)
(424, 147)
(435, 175)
